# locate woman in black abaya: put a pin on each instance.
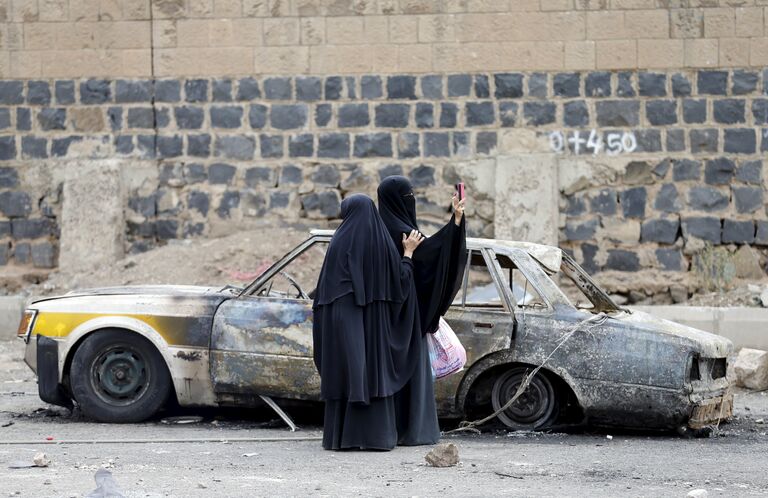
(366, 331)
(438, 268)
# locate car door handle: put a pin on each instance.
(483, 325)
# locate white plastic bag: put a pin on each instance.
(446, 353)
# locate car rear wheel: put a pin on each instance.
(118, 376)
(535, 409)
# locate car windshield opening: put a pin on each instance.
(524, 293)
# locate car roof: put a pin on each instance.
(549, 256)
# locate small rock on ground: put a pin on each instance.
(751, 369)
(443, 455)
(697, 493)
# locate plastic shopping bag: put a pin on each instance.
(446, 353)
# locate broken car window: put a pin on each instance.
(524, 293)
(479, 289)
(298, 278)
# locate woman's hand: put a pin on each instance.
(458, 209)
(411, 242)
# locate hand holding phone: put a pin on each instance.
(460, 190)
(458, 203)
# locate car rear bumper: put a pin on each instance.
(711, 411)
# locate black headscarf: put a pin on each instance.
(438, 262)
(361, 258)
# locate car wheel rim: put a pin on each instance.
(120, 376)
(532, 409)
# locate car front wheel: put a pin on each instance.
(118, 376)
(535, 409)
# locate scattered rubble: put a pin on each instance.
(751, 369)
(697, 493)
(443, 455)
(39, 460)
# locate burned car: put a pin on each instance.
(121, 352)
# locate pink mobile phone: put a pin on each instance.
(460, 190)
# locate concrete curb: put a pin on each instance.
(10, 315)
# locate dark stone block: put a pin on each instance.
(566, 84)
(326, 175)
(31, 228)
(392, 115)
(408, 145)
(459, 85)
(227, 116)
(351, 83)
(482, 87)
(598, 84)
(162, 117)
(712, 82)
(588, 259)
(333, 87)
(171, 146)
(323, 114)
(461, 145)
(761, 237)
(479, 113)
(324, 204)
(625, 85)
(123, 145)
(94, 92)
(60, 146)
(221, 174)
(353, 115)
(278, 88)
(747, 199)
(189, 117)
(145, 145)
(288, 116)
(622, 260)
(191, 229)
(618, 113)
(486, 142)
(257, 116)
(167, 91)
(390, 170)
(373, 145)
(703, 141)
(694, 111)
(670, 259)
(422, 176)
(9, 177)
(43, 255)
(167, 229)
(333, 145)
(663, 230)
(750, 172)
(271, 146)
(279, 200)
(425, 115)
(290, 174)
(11, 92)
(5, 119)
(195, 173)
(437, 145)
(675, 140)
(248, 89)
(235, 147)
(301, 145)
(38, 93)
(648, 140)
(65, 92)
(172, 175)
(575, 205)
(52, 119)
(575, 114)
(760, 111)
(738, 232)
(23, 119)
(22, 253)
(661, 112)
(538, 84)
(681, 86)
(141, 117)
(539, 113)
(196, 90)
(115, 117)
(370, 87)
(199, 201)
(401, 87)
(448, 115)
(577, 230)
(605, 202)
(728, 111)
(7, 148)
(199, 145)
(661, 169)
(13, 204)
(667, 199)
(133, 91)
(652, 84)
(145, 205)
(719, 171)
(707, 199)
(633, 202)
(744, 82)
(222, 90)
(260, 175)
(508, 113)
(309, 88)
(508, 85)
(34, 147)
(740, 141)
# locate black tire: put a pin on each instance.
(537, 407)
(118, 376)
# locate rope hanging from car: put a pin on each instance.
(584, 325)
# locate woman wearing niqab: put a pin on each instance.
(366, 330)
(438, 268)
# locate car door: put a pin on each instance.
(262, 341)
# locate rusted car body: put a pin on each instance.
(225, 347)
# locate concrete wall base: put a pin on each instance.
(10, 315)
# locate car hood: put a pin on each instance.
(707, 344)
(146, 290)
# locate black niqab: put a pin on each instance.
(439, 261)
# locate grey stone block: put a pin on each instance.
(707, 199)
(326, 175)
(170, 146)
(14, 203)
(167, 91)
(257, 116)
(625, 85)
(141, 117)
(605, 202)
(23, 119)
(235, 147)
(408, 145)
(738, 232)
(123, 145)
(401, 87)
(598, 84)
(373, 145)
(750, 172)
(301, 145)
(199, 201)
(425, 115)
(43, 255)
(323, 204)
(393, 170)
(703, 141)
(189, 117)
(370, 87)
(115, 118)
(507, 114)
(65, 92)
(7, 148)
(422, 176)
(226, 116)
(577, 230)
(662, 230)
(740, 141)
(633, 202)
(9, 177)
(146, 146)
(459, 85)
(437, 144)
(617, 113)
(38, 93)
(588, 260)
(196, 90)
(622, 260)
(248, 89)
(11, 92)
(222, 90)
(675, 140)
(194, 173)
(271, 146)
(539, 113)
(538, 85)
(744, 82)
(712, 82)
(167, 229)
(648, 140)
(52, 119)
(288, 116)
(22, 253)
(221, 174)
(95, 92)
(681, 86)
(670, 259)
(486, 142)
(127, 91)
(652, 84)
(32, 228)
(719, 171)
(461, 145)
(278, 88)
(761, 237)
(479, 113)
(290, 174)
(392, 115)
(309, 88)
(760, 111)
(668, 200)
(353, 115)
(567, 84)
(5, 119)
(729, 111)
(333, 87)
(34, 147)
(448, 115)
(575, 205)
(747, 199)
(199, 145)
(575, 114)
(661, 112)
(508, 85)
(323, 114)
(482, 87)
(333, 145)
(145, 205)
(260, 175)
